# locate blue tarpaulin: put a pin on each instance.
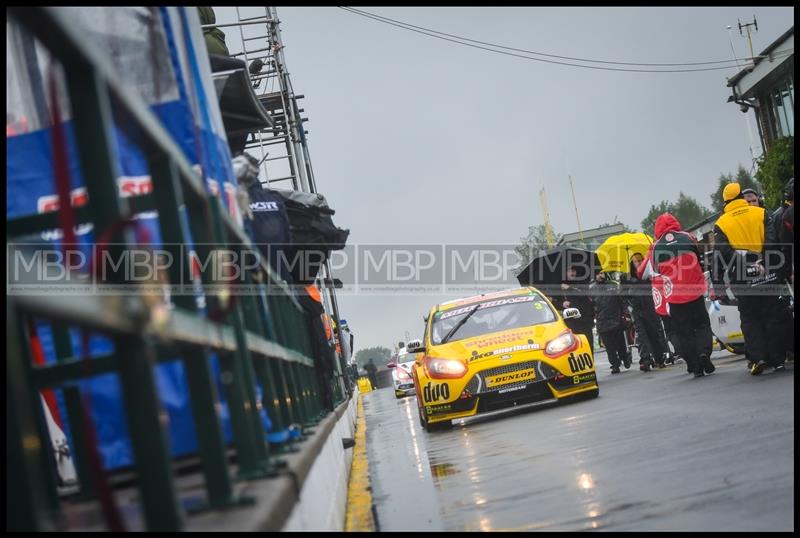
(177, 88)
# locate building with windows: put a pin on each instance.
(767, 86)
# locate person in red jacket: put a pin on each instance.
(673, 265)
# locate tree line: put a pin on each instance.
(773, 170)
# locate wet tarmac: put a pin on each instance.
(657, 451)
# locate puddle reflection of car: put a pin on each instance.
(401, 374)
(497, 351)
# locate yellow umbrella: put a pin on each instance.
(616, 251)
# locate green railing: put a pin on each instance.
(262, 339)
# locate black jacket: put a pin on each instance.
(781, 228)
(270, 228)
(608, 305)
(639, 294)
(577, 299)
(322, 352)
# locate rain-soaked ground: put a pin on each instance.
(656, 451)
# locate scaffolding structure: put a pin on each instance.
(255, 36)
(282, 149)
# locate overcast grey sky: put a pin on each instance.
(417, 140)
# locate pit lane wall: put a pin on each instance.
(323, 498)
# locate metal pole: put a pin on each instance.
(263, 165)
(548, 229)
(750, 43)
(575, 205)
(746, 116)
(291, 120)
(335, 313)
(749, 38)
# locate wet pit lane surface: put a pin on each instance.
(656, 451)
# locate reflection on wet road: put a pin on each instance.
(509, 472)
(656, 451)
(400, 476)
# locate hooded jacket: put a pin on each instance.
(673, 265)
(215, 38)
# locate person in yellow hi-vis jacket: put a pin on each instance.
(743, 248)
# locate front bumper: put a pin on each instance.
(404, 389)
(550, 386)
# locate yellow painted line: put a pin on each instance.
(358, 517)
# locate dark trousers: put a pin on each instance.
(671, 335)
(652, 344)
(763, 328)
(693, 328)
(615, 346)
(786, 325)
(373, 380)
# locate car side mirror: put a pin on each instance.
(571, 313)
(415, 346)
(391, 365)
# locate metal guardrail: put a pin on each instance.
(262, 339)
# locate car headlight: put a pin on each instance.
(561, 344)
(402, 375)
(445, 368)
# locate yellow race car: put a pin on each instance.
(494, 351)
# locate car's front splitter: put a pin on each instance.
(551, 389)
(567, 385)
(484, 402)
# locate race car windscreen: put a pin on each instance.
(492, 316)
